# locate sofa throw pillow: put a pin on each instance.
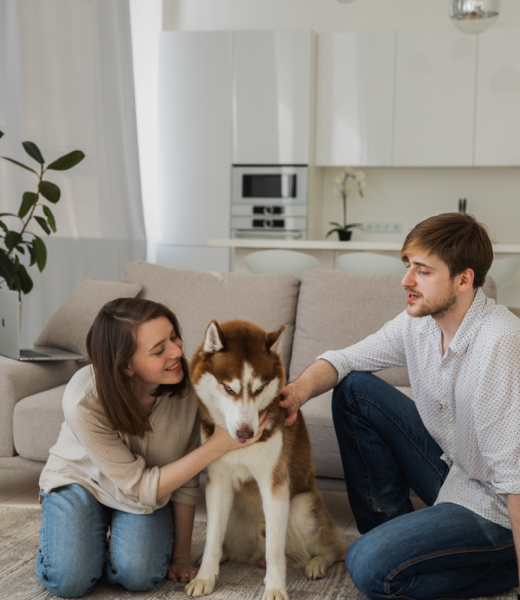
(68, 327)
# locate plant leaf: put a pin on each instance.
(40, 252)
(8, 215)
(358, 225)
(12, 239)
(20, 249)
(50, 191)
(7, 270)
(20, 164)
(68, 161)
(26, 283)
(4, 227)
(31, 252)
(33, 151)
(331, 231)
(50, 218)
(43, 224)
(1, 134)
(28, 201)
(337, 225)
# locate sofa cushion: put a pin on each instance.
(197, 298)
(336, 310)
(37, 423)
(68, 327)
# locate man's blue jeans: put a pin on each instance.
(72, 544)
(442, 551)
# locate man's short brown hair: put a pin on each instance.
(460, 241)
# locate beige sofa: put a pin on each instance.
(325, 310)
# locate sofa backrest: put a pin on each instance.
(336, 310)
(197, 298)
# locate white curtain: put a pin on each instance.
(66, 84)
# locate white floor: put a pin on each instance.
(20, 488)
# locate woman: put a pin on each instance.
(127, 453)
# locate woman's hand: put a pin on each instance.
(181, 570)
(223, 441)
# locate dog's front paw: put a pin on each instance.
(200, 587)
(316, 568)
(273, 594)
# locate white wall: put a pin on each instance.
(319, 15)
(146, 24)
(409, 195)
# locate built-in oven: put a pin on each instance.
(269, 202)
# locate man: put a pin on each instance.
(457, 446)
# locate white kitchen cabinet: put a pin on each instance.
(355, 99)
(497, 136)
(272, 91)
(434, 98)
(194, 139)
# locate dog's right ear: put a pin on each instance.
(213, 340)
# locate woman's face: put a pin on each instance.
(157, 358)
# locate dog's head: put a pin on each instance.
(237, 373)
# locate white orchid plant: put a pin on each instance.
(345, 183)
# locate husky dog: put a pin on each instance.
(262, 500)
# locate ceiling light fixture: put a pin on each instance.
(474, 16)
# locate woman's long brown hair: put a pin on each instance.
(111, 343)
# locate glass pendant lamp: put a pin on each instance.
(474, 16)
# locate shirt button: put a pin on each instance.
(449, 425)
(442, 368)
(444, 400)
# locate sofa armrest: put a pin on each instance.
(21, 379)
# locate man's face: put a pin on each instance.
(430, 291)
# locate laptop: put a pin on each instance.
(10, 334)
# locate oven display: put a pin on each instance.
(269, 223)
(269, 186)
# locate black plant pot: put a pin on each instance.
(344, 235)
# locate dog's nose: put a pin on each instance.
(245, 433)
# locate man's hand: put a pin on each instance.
(318, 378)
(291, 402)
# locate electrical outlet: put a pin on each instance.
(380, 227)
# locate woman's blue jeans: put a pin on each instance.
(442, 551)
(72, 544)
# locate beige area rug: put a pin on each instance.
(19, 529)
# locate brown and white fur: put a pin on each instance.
(262, 500)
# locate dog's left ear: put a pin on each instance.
(213, 341)
(274, 340)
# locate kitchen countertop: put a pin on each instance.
(325, 245)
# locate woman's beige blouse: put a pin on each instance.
(121, 471)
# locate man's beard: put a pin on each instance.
(437, 308)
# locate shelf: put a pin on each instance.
(324, 245)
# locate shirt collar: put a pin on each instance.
(471, 322)
(466, 330)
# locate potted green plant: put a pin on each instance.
(342, 190)
(19, 243)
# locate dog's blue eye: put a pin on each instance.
(260, 389)
(228, 389)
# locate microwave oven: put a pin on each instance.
(269, 201)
